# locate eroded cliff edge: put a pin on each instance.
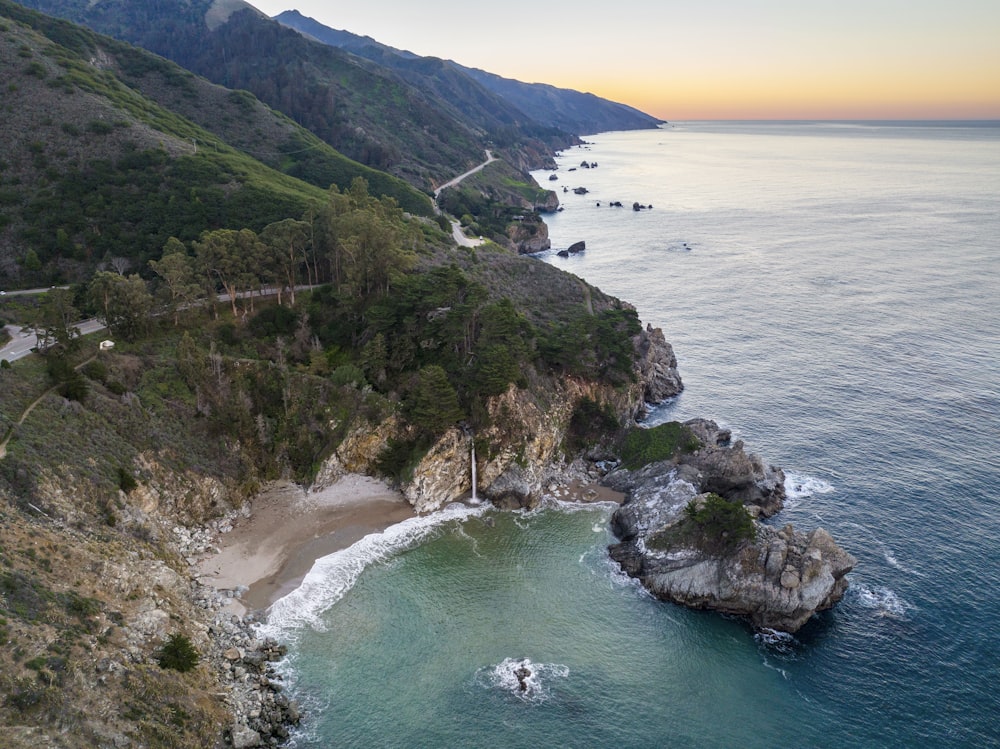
(525, 446)
(690, 530)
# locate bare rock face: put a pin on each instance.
(731, 472)
(528, 237)
(777, 580)
(657, 366)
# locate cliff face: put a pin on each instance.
(527, 237)
(777, 580)
(90, 597)
(523, 448)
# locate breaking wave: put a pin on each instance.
(521, 678)
(799, 487)
(883, 601)
(332, 576)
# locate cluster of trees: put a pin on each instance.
(358, 243)
(137, 202)
(435, 341)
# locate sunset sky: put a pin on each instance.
(713, 59)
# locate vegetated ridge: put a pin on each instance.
(110, 150)
(366, 111)
(559, 109)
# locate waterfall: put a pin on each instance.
(473, 461)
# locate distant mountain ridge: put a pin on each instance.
(418, 118)
(561, 108)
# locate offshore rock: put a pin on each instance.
(778, 580)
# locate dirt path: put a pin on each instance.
(30, 408)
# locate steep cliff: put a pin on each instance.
(525, 445)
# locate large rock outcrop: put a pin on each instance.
(657, 366)
(528, 236)
(776, 580)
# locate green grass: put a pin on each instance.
(664, 442)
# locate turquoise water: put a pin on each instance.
(831, 291)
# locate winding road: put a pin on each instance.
(456, 227)
(23, 340)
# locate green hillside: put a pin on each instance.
(95, 164)
(362, 109)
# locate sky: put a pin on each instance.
(712, 59)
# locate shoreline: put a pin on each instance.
(267, 555)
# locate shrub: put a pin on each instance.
(590, 423)
(348, 374)
(75, 388)
(644, 446)
(96, 371)
(719, 523)
(178, 654)
(126, 481)
(399, 457)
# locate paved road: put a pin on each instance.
(490, 158)
(23, 339)
(456, 226)
(26, 292)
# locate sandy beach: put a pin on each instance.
(289, 529)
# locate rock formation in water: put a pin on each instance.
(777, 579)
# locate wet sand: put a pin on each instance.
(270, 552)
(289, 529)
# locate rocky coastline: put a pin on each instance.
(261, 713)
(776, 579)
(779, 581)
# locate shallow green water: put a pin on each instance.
(421, 651)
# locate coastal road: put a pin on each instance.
(456, 227)
(24, 339)
(28, 292)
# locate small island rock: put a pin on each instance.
(776, 579)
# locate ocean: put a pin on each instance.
(831, 293)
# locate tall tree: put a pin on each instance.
(230, 258)
(286, 241)
(54, 320)
(432, 404)
(176, 268)
(125, 304)
(367, 241)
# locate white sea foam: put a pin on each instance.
(471, 539)
(894, 562)
(332, 576)
(799, 487)
(775, 641)
(881, 600)
(523, 679)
